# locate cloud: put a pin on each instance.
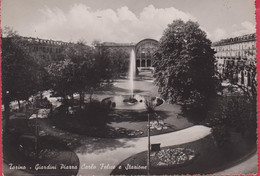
(245, 27)
(218, 34)
(120, 25)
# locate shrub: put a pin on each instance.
(220, 134)
(150, 104)
(41, 103)
(94, 113)
(232, 113)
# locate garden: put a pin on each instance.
(83, 106)
(97, 120)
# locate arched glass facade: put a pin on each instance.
(144, 53)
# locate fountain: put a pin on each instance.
(132, 73)
(132, 68)
(131, 101)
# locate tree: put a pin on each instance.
(81, 71)
(103, 71)
(249, 89)
(119, 62)
(185, 64)
(68, 74)
(233, 113)
(61, 77)
(20, 73)
(8, 32)
(116, 61)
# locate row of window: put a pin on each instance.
(45, 49)
(242, 77)
(144, 55)
(236, 54)
(236, 47)
(42, 41)
(150, 45)
(143, 63)
(231, 58)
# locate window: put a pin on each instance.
(149, 63)
(148, 55)
(138, 63)
(143, 63)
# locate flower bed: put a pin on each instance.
(173, 157)
(158, 125)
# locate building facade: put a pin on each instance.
(143, 51)
(41, 50)
(45, 50)
(234, 58)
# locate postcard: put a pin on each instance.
(120, 87)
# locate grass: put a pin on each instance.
(118, 123)
(209, 159)
(121, 123)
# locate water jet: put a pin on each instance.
(131, 101)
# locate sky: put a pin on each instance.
(124, 20)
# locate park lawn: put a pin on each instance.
(121, 124)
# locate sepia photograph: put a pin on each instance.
(128, 87)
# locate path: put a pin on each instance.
(248, 166)
(112, 157)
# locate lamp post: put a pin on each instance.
(36, 130)
(150, 106)
(36, 139)
(7, 110)
(149, 150)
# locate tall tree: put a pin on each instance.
(185, 64)
(81, 71)
(249, 89)
(119, 62)
(20, 73)
(61, 77)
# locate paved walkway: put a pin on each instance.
(246, 167)
(111, 152)
(91, 162)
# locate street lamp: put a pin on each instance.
(35, 109)
(7, 110)
(149, 150)
(150, 106)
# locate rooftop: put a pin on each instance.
(239, 39)
(116, 44)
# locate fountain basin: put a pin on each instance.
(127, 102)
